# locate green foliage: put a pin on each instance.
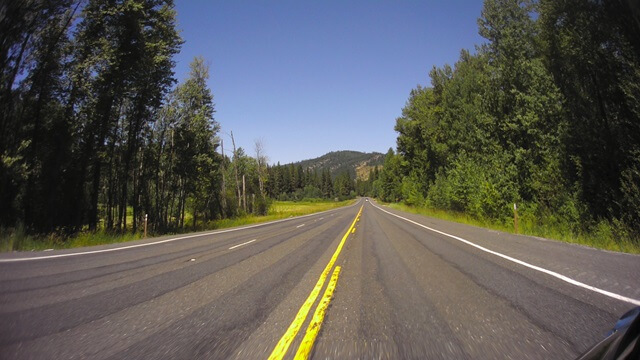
(612, 236)
(337, 162)
(343, 186)
(292, 182)
(470, 185)
(411, 191)
(389, 184)
(194, 169)
(311, 192)
(262, 205)
(74, 127)
(545, 114)
(93, 135)
(594, 56)
(18, 240)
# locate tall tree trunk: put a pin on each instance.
(235, 161)
(244, 195)
(195, 218)
(105, 108)
(183, 202)
(123, 205)
(223, 191)
(7, 96)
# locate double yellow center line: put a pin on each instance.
(314, 326)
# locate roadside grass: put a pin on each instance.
(18, 240)
(292, 208)
(280, 210)
(604, 235)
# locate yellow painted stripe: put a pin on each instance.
(318, 317)
(283, 345)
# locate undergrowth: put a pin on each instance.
(17, 239)
(603, 234)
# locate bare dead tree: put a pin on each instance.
(223, 187)
(262, 160)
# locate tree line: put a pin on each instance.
(545, 114)
(96, 134)
(293, 182)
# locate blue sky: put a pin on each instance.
(309, 77)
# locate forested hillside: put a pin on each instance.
(338, 174)
(337, 162)
(545, 114)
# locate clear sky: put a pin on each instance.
(309, 77)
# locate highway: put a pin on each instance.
(363, 281)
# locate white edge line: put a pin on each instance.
(244, 243)
(534, 267)
(168, 240)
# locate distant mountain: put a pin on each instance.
(355, 162)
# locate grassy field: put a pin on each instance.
(17, 240)
(602, 238)
(281, 210)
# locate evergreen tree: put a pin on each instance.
(593, 51)
(196, 141)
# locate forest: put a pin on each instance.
(337, 175)
(544, 114)
(96, 133)
(293, 182)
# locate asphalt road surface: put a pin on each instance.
(358, 282)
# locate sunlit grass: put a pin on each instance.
(605, 235)
(292, 208)
(281, 210)
(17, 240)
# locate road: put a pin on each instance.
(407, 286)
